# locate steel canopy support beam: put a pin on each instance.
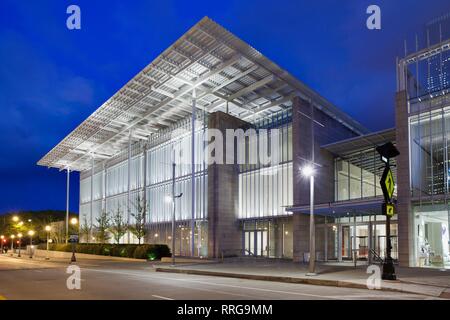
(252, 87)
(193, 173)
(201, 79)
(92, 199)
(67, 203)
(144, 187)
(129, 184)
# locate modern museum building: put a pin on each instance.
(216, 131)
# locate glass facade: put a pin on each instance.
(119, 185)
(429, 152)
(358, 175)
(429, 132)
(266, 191)
(431, 233)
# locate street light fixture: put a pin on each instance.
(48, 229)
(31, 234)
(308, 171)
(15, 218)
(73, 221)
(19, 235)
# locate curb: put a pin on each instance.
(318, 282)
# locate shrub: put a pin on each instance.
(152, 251)
(143, 251)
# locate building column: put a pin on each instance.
(144, 182)
(129, 187)
(339, 240)
(193, 173)
(104, 187)
(326, 241)
(223, 197)
(302, 152)
(92, 200)
(405, 217)
(67, 203)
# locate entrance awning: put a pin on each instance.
(357, 207)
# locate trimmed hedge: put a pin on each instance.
(143, 251)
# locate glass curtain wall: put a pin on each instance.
(429, 134)
(429, 127)
(159, 189)
(358, 175)
(266, 190)
(112, 193)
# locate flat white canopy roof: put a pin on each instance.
(221, 67)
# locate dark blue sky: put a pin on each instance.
(52, 78)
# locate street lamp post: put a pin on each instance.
(172, 200)
(47, 229)
(308, 171)
(20, 242)
(12, 244)
(31, 234)
(73, 222)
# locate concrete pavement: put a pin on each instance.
(431, 282)
(24, 278)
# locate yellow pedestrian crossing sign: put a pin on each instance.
(387, 184)
(388, 209)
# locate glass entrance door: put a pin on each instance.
(361, 241)
(346, 244)
(256, 243)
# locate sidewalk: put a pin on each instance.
(429, 282)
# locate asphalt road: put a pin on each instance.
(24, 278)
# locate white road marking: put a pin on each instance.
(161, 297)
(221, 284)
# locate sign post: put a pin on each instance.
(387, 183)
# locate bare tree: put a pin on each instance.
(102, 226)
(85, 228)
(58, 231)
(138, 227)
(118, 226)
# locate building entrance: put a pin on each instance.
(347, 239)
(255, 242)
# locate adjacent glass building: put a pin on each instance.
(423, 116)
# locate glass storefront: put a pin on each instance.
(342, 238)
(431, 235)
(268, 238)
